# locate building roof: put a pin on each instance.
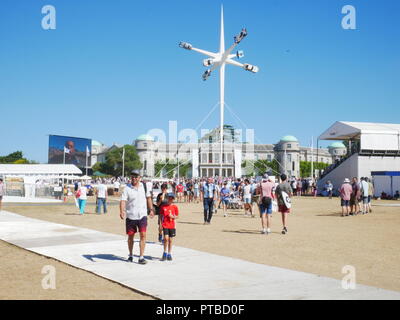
(343, 130)
(145, 137)
(289, 139)
(21, 169)
(337, 145)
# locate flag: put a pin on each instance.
(66, 150)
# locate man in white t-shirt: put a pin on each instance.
(247, 198)
(135, 204)
(116, 186)
(101, 194)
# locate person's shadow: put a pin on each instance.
(110, 257)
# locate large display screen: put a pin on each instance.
(70, 150)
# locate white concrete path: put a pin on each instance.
(192, 275)
(15, 199)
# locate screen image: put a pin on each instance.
(69, 149)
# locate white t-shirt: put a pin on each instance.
(101, 191)
(136, 202)
(247, 191)
(83, 195)
(116, 185)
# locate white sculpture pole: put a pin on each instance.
(220, 59)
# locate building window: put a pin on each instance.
(144, 145)
(210, 139)
(204, 157)
(269, 157)
(289, 146)
(210, 158)
(229, 157)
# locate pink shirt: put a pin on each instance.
(345, 191)
(266, 189)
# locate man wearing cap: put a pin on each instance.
(136, 203)
(345, 194)
(266, 191)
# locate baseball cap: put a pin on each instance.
(171, 195)
(135, 173)
(265, 176)
(346, 180)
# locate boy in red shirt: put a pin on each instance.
(169, 213)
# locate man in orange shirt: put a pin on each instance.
(169, 213)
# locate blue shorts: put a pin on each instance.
(225, 201)
(247, 200)
(264, 210)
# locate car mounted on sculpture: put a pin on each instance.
(251, 68)
(185, 45)
(206, 74)
(240, 37)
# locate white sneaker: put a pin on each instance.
(225, 215)
(263, 231)
(268, 230)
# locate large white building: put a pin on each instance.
(205, 155)
(374, 147)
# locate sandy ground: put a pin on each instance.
(319, 241)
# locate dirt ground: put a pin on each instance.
(319, 241)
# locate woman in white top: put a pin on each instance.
(81, 194)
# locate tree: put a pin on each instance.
(16, 157)
(170, 167)
(305, 167)
(113, 163)
(262, 166)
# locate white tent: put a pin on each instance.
(372, 136)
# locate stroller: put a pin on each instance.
(235, 201)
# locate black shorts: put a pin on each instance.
(345, 203)
(133, 226)
(169, 232)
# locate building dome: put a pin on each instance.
(289, 139)
(337, 145)
(96, 143)
(145, 137)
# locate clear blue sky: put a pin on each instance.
(112, 70)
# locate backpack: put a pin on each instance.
(265, 201)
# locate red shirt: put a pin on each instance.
(179, 188)
(166, 210)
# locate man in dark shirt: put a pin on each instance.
(162, 200)
(283, 193)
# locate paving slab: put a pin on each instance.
(192, 275)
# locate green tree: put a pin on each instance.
(113, 163)
(305, 167)
(13, 157)
(170, 167)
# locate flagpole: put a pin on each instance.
(123, 162)
(312, 159)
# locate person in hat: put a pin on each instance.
(345, 194)
(135, 204)
(169, 213)
(266, 190)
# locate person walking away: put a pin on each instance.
(162, 200)
(135, 205)
(354, 206)
(266, 191)
(101, 198)
(364, 195)
(345, 192)
(81, 194)
(283, 193)
(169, 213)
(209, 195)
(224, 198)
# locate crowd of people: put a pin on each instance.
(356, 196)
